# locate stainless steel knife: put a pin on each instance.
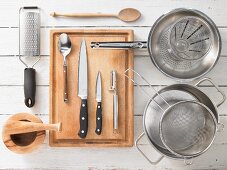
(82, 90)
(99, 104)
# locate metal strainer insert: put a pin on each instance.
(184, 44)
(190, 38)
(188, 128)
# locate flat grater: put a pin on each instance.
(29, 48)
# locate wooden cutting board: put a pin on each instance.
(103, 60)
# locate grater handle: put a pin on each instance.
(29, 87)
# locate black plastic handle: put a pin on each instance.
(29, 87)
(98, 129)
(83, 119)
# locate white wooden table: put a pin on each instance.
(11, 82)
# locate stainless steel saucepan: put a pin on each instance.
(184, 44)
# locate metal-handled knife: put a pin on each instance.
(99, 104)
(82, 90)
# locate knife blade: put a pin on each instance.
(99, 104)
(82, 90)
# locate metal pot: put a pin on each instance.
(163, 57)
(172, 94)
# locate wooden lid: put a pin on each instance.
(26, 142)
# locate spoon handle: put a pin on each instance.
(54, 14)
(65, 92)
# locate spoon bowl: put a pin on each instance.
(64, 45)
(129, 14)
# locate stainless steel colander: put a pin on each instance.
(188, 128)
(190, 38)
(184, 44)
(179, 99)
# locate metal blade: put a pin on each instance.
(98, 88)
(82, 73)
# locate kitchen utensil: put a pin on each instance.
(64, 46)
(188, 128)
(68, 114)
(18, 127)
(126, 15)
(82, 89)
(113, 87)
(156, 106)
(182, 58)
(99, 104)
(29, 46)
(190, 39)
(24, 132)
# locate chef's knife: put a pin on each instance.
(99, 104)
(82, 90)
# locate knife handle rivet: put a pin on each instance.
(98, 106)
(83, 105)
(82, 131)
(98, 118)
(98, 130)
(83, 118)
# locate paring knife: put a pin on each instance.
(82, 90)
(99, 104)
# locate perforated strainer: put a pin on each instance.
(184, 44)
(190, 38)
(186, 101)
(188, 128)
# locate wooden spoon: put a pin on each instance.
(126, 15)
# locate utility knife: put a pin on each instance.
(98, 129)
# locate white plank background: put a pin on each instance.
(11, 83)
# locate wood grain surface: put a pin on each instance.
(98, 60)
(25, 142)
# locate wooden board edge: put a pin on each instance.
(109, 31)
(51, 135)
(127, 143)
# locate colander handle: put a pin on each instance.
(151, 162)
(216, 86)
(119, 45)
(130, 77)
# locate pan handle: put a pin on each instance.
(120, 45)
(216, 86)
(151, 162)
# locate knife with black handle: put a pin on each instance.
(98, 129)
(83, 118)
(82, 90)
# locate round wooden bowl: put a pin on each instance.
(24, 142)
